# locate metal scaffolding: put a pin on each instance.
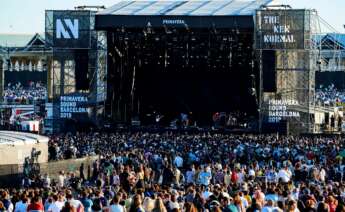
(289, 33)
(88, 47)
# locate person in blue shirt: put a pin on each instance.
(205, 177)
(86, 201)
(271, 195)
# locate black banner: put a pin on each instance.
(280, 29)
(68, 29)
(73, 106)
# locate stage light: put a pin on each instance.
(186, 26)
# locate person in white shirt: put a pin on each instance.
(322, 175)
(22, 205)
(116, 179)
(284, 175)
(115, 206)
(227, 178)
(46, 181)
(177, 176)
(74, 202)
(57, 205)
(251, 173)
(207, 193)
(62, 178)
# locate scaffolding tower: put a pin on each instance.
(289, 33)
(331, 55)
(86, 48)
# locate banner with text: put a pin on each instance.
(68, 29)
(282, 109)
(73, 106)
(280, 29)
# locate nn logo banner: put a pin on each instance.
(67, 29)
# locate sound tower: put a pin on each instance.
(82, 80)
(269, 79)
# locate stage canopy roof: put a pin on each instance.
(186, 8)
(182, 13)
(337, 38)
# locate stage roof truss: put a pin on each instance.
(116, 7)
(136, 6)
(159, 7)
(211, 7)
(186, 8)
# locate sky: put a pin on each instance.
(27, 16)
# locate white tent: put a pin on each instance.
(22, 66)
(39, 65)
(4, 66)
(16, 66)
(30, 66)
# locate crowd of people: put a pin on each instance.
(188, 172)
(329, 95)
(24, 94)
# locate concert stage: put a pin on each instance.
(192, 57)
(190, 63)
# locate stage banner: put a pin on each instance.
(280, 29)
(68, 29)
(282, 109)
(73, 106)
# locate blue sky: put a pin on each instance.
(27, 16)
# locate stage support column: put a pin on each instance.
(49, 63)
(2, 62)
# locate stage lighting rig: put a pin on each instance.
(148, 29)
(186, 27)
